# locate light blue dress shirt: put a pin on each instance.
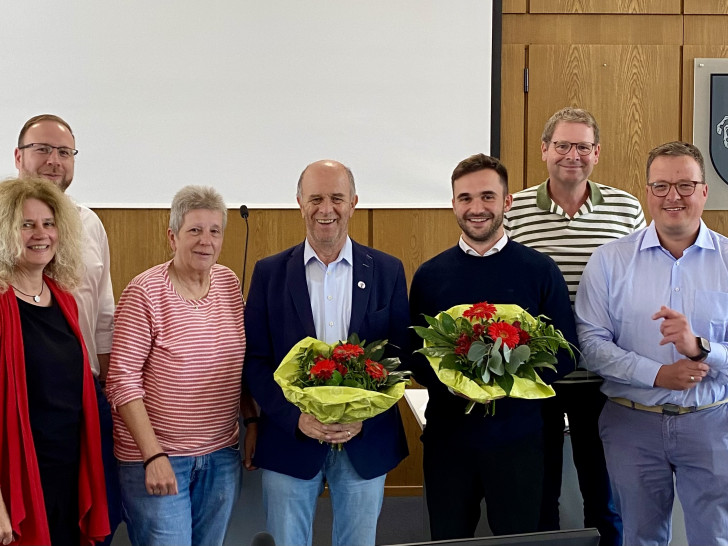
(625, 282)
(329, 289)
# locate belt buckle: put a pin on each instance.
(670, 409)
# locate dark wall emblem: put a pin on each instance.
(719, 124)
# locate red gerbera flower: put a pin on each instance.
(343, 370)
(483, 310)
(507, 332)
(346, 352)
(323, 369)
(376, 370)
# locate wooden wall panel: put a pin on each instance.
(705, 29)
(514, 6)
(618, 84)
(414, 236)
(137, 238)
(513, 123)
(592, 29)
(406, 479)
(705, 7)
(605, 6)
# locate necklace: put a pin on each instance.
(36, 298)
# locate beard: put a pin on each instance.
(481, 237)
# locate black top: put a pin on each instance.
(516, 275)
(54, 378)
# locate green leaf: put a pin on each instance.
(545, 365)
(477, 351)
(543, 356)
(505, 382)
(485, 375)
(528, 372)
(495, 363)
(431, 336)
(352, 383)
(513, 365)
(448, 324)
(335, 380)
(432, 321)
(435, 352)
(520, 353)
(449, 362)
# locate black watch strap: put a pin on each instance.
(704, 346)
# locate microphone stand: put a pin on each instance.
(244, 214)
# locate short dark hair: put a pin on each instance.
(42, 117)
(481, 162)
(677, 149)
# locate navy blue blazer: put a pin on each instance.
(278, 315)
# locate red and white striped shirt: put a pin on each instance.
(183, 357)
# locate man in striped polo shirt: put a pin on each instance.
(567, 217)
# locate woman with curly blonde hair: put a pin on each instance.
(51, 474)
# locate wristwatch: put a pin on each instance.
(704, 346)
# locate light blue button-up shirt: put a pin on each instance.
(329, 289)
(625, 282)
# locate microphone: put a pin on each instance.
(244, 214)
(263, 539)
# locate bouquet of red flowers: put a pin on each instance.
(340, 383)
(486, 351)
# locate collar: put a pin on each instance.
(346, 253)
(544, 201)
(651, 240)
(497, 247)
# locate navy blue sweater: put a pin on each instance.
(516, 275)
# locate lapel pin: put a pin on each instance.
(361, 284)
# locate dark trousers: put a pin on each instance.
(111, 470)
(458, 476)
(582, 402)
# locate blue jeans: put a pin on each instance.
(209, 486)
(290, 504)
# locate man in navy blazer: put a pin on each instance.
(326, 287)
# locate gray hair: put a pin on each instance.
(194, 198)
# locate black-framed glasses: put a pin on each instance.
(563, 147)
(685, 188)
(64, 152)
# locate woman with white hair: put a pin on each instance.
(175, 384)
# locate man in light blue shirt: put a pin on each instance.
(652, 319)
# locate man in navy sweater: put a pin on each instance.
(498, 457)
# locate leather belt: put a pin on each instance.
(665, 409)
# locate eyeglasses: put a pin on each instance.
(685, 188)
(64, 152)
(563, 147)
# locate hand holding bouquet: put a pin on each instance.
(486, 351)
(341, 383)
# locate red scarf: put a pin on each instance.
(19, 474)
